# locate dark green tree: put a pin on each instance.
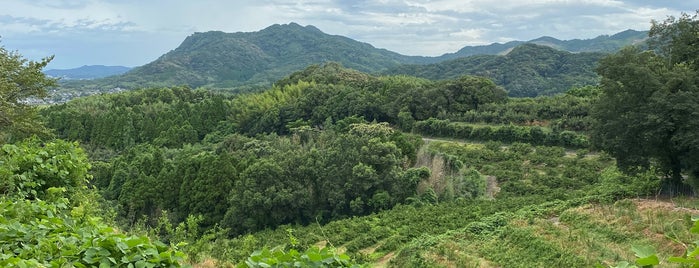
(677, 39)
(648, 112)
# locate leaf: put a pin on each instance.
(695, 227)
(694, 252)
(141, 264)
(646, 255)
(650, 260)
(623, 264)
(105, 264)
(314, 256)
(681, 260)
(643, 251)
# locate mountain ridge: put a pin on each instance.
(217, 59)
(601, 43)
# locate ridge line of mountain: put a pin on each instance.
(217, 59)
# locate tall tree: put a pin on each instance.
(677, 39)
(648, 113)
(20, 79)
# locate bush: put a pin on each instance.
(37, 233)
(312, 257)
(40, 227)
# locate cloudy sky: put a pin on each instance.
(135, 32)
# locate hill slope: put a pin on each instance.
(528, 70)
(221, 59)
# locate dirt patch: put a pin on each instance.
(321, 244)
(383, 261)
(655, 205)
(210, 263)
(371, 250)
(491, 187)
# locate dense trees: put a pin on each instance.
(647, 113)
(166, 117)
(20, 79)
(330, 162)
(266, 181)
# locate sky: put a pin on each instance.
(135, 32)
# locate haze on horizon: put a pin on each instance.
(132, 33)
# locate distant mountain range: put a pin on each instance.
(602, 43)
(228, 60)
(87, 72)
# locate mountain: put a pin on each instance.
(219, 59)
(254, 60)
(527, 70)
(602, 43)
(87, 72)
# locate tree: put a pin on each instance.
(20, 79)
(648, 112)
(468, 92)
(677, 39)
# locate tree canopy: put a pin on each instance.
(648, 113)
(20, 79)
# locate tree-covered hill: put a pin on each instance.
(528, 70)
(253, 60)
(219, 59)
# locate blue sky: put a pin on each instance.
(133, 33)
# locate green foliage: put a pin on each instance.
(168, 117)
(528, 70)
(41, 233)
(242, 171)
(20, 80)
(690, 256)
(646, 256)
(647, 112)
(265, 181)
(506, 133)
(675, 38)
(40, 227)
(31, 167)
(312, 257)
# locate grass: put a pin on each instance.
(580, 236)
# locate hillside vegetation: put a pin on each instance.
(528, 70)
(224, 60)
(335, 167)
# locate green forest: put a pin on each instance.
(335, 167)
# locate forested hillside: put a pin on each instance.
(528, 70)
(331, 166)
(218, 59)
